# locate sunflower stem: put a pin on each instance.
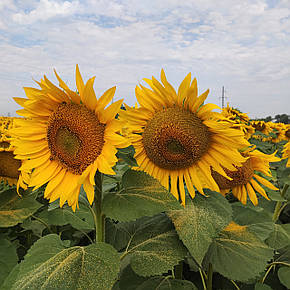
(202, 279)
(209, 277)
(178, 270)
(277, 210)
(99, 217)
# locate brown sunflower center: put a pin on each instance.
(8, 165)
(287, 133)
(75, 137)
(240, 177)
(259, 126)
(175, 138)
(4, 145)
(68, 142)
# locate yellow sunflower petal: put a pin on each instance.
(89, 97)
(258, 188)
(111, 112)
(79, 81)
(252, 194)
(265, 182)
(89, 189)
(105, 99)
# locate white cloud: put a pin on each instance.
(46, 9)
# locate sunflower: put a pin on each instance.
(286, 153)
(245, 180)
(279, 130)
(287, 132)
(67, 137)
(235, 114)
(261, 126)
(177, 139)
(9, 166)
(239, 121)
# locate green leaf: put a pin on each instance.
(141, 195)
(8, 258)
(200, 221)
(260, 286)
(274, 195)
(15, 209)
(50, 265)
(284, 276)
(116, 235)
(246, 215)
(11, 278)
(280, 237)
(258, 220)
(81, 219)
(284, 254)
(127, 154)
(129, 280)
(285, 175)
(34, 225)
(154, 246)
(238, 254)
(164, 283)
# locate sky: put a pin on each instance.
(242, 45)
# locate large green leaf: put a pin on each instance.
(81, 219)
(238, 254)
(116, 235)
(11, 278)
(154, 246)
(8, 258)
(285, 175)
(260, 286)
(127, 154)
(258, 220)
(200, 221)
(141, 195)
(280, 237)
(15, 209)
(163, 283)
(129, 280)
(284, 255)
(284, 276)
(50, 265)
(33, 225)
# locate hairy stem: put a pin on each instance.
(278, 206)
(99, 217)
(202, 279)
(209, 277)
(178, 270)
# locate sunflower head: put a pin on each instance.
(241, 176)
(177, 138)
(235, 115)
(286, 153)
(244, 181)
(67, 137)
(287, 132)
(9, 166)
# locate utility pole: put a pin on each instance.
(223, 97)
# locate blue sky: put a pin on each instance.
(242, 45)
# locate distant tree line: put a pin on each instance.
(283, 118)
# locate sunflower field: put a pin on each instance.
(171, 193)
